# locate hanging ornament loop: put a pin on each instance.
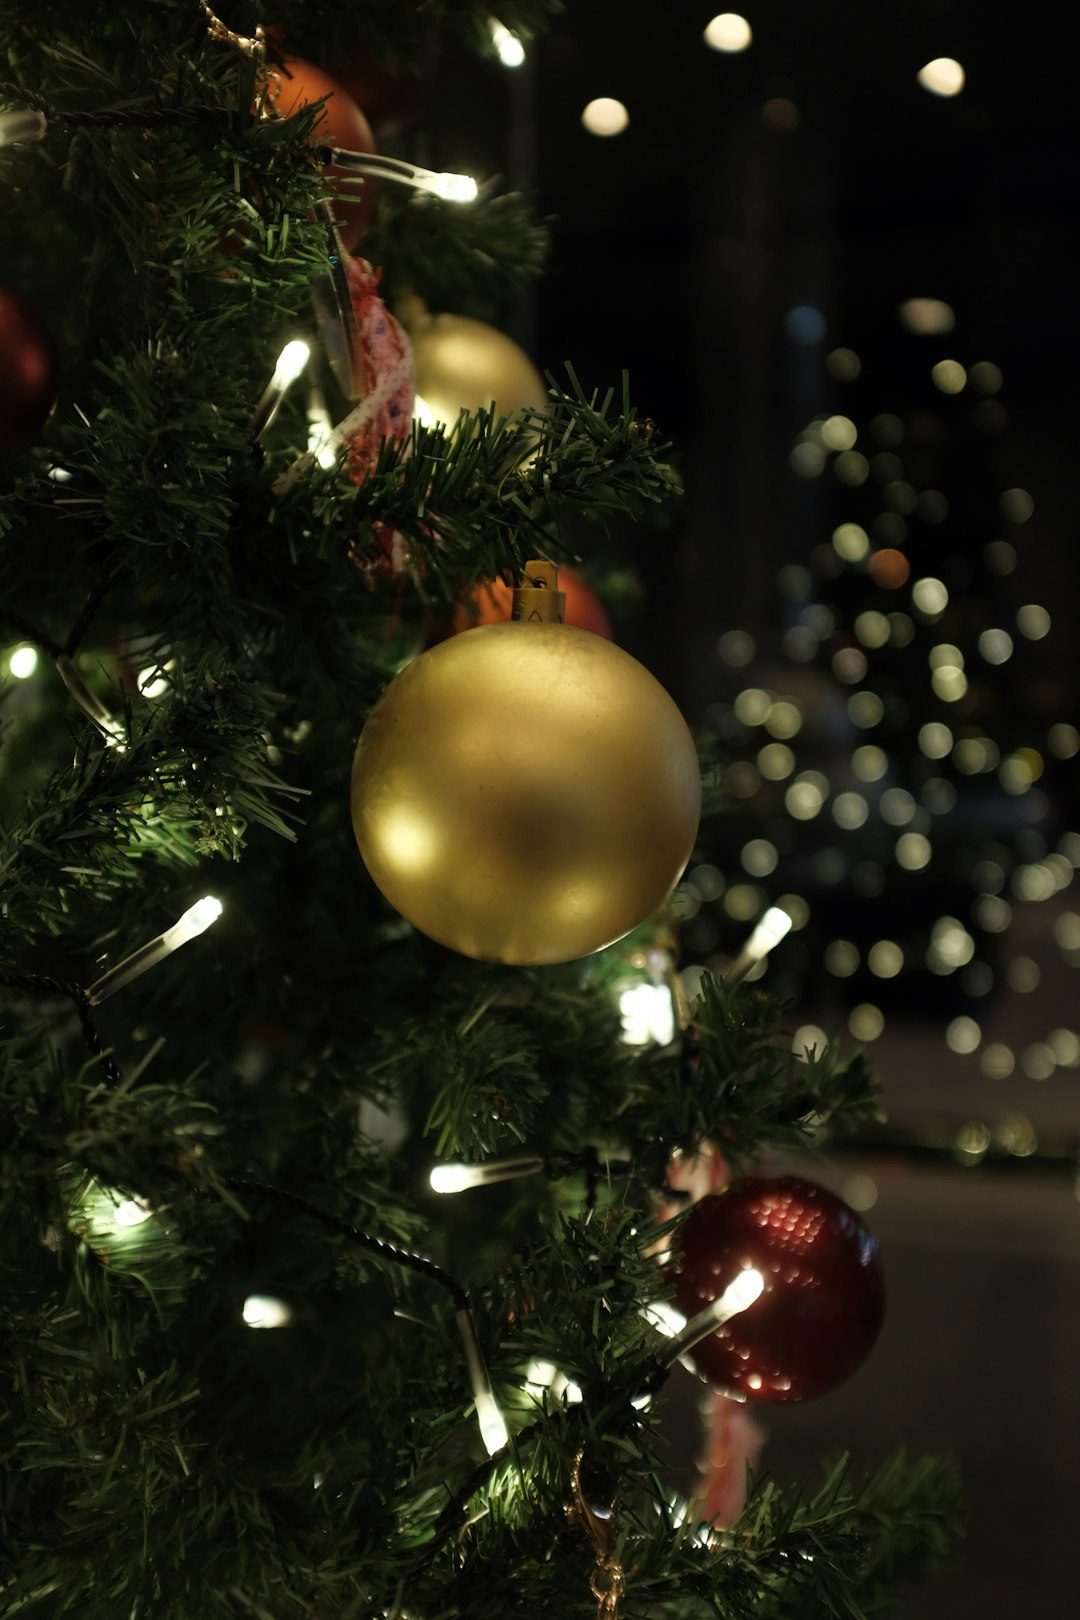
(607, 1583)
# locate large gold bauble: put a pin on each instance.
(525, 793)
(462, 365)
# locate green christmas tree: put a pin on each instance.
(253, 1364)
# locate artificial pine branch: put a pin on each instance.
(465, 259)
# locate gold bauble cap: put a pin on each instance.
(525, 793)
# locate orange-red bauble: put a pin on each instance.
(491, 602)
(27, 372)
(341, 123)
(390, 92)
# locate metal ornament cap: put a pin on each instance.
(525, 793)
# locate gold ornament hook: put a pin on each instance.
(255, 47)
(607, 1583)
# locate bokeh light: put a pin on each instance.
(885, 959)
(872, 628)
(1000, 557)
(996, 646)
(997, 1061)
(1033, 621)
(1063, 740)
(942, 77)
(1016, 505)
(843, 365)
(986, 377)
(841, 958)
(865, 710)
(929, 597)
(935, 740)
(869, 762)
(963, 1035)
(839, 433)
(736, 648)
(926, 315)
(866, 1021)
(850, 810)
(889, 568)
(913, 851)
(728, 32)
(758, 857)
(605, 116)
(851, 542)
(949, 376)
(809, 1039)
(1023, 975)
(804, 798)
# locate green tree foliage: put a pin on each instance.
(229, 608)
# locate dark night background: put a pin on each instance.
(679, 247)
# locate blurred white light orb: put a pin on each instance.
(605, 116)
(728, 32)
(942, 77)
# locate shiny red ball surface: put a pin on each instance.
(822, 1301)
(28, 372)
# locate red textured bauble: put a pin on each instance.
(391, 93)
(823, 1297)
(491, 602)
(28, 372)
(341, 123)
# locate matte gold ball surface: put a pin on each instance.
(461, 364)
(525, 793)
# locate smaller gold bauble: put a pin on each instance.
(464, 365)
(525, 793)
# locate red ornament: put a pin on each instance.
(491, 601)
(390, 92)
(822, 1301)
(342, 124)
(27, 372)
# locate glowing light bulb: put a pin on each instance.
(22, 124)
(451, 187)
(451, 1178)
(291, 362)
(424, 413)
(648, 1014)
(493, 1430)
(737, 1296)
(459, 188)
(23, 662)
(455, 1178)
(508, 47)
(264, 1311)
(772, 928)
(195, 921)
